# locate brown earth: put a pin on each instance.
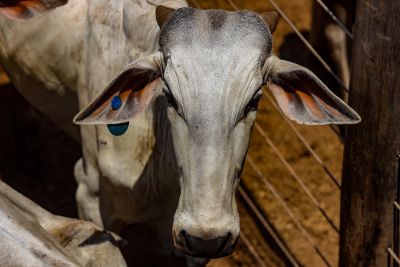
(37, 159)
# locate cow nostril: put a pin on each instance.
(188, 245)
(206, 248)
(223, 245)
(235, 243)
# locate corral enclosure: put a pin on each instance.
(46, 156)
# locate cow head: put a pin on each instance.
(213, 64)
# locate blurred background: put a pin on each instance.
(289, 202)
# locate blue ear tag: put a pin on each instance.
(120, 128)
(116, 103)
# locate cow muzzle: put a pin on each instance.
(206, 240)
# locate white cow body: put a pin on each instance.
(31, 236)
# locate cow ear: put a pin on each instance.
(27, 9)
(128, 95)
(271, 19)
(303, 97)
(163, 15)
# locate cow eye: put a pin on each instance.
(253, 104)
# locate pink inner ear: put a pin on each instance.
(280, 95)
(141, 98)
(310, 103)
(298, 105)
(134, 101)
(305, 106)
(283, 98)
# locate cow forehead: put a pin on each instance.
(214, 61)
(212, 87)
(210, 29)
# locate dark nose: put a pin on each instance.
(212, 248)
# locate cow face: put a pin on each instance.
(214, 64)
(213, 76)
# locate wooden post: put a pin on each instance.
(370, 171)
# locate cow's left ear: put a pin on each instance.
(271, 19)
(27, 9)
(129, 94)
(303, 97)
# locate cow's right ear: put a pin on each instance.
(128, 95)
(27, 9)
(303, 97)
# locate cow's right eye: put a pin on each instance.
(253, 104)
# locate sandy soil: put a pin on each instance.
(34, 153)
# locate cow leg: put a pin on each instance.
(87, 177)
(336, 38)
(91, 245)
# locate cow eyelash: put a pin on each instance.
(253, 104)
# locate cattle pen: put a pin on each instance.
(316, 196)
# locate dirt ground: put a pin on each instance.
(37, 159)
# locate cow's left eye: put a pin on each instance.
(253, 104)
(171, 100)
